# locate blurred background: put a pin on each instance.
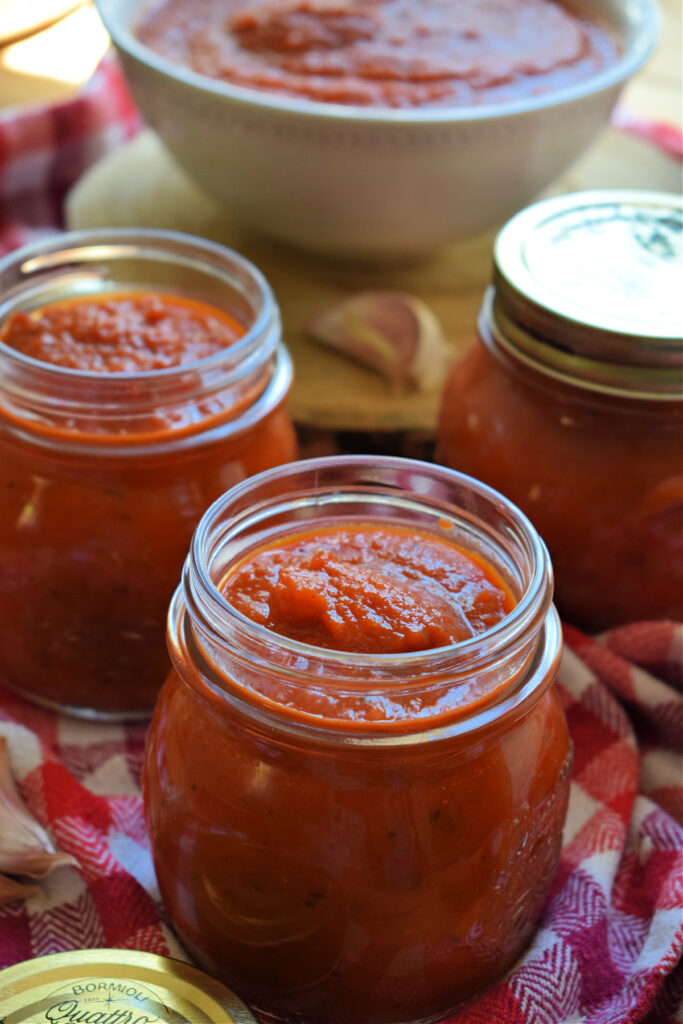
(48, 48)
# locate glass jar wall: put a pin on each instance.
(599, 476)
(103, 476)
(348, 836)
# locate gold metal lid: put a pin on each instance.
(115, 986)
(588, 286)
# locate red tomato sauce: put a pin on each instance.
(122, 333)
(599, 476)
(384, 53)
(369, 589)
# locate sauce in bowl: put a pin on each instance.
(383, 53)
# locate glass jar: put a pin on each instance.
(104, 476)
(571, 403)
(352, 837)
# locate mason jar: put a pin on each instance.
(356, 837)
(104, 475)
(571, 402)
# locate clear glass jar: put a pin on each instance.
(352, 837)
(103, 476)
(571, 403)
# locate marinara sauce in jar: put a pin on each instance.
(571, 403)
(357, 772)
(141, 374)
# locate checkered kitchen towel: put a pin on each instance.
(608, 949)
(45, 148)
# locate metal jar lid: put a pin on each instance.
(115, 986)
(587, 287)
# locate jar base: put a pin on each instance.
(266, 1017)
(84, 714)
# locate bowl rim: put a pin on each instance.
(641, 15)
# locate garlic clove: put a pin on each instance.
(25, 847)
(394, 333)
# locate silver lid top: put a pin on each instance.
(596, 275)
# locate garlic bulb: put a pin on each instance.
(25, 847)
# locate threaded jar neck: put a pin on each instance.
(245, 662)
(61, 406)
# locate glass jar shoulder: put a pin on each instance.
(504, 394)
(600, 477)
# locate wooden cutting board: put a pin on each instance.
(140, 184)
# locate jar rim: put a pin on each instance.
(42, 255)
(523, 689)
(208, 603)
(463, 686)
(145, 410)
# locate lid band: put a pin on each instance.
(646, 383)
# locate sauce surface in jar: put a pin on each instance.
(369, 589)
(122, 332)
(357, 773)
(123, 414)
(383, 53)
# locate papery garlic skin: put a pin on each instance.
(11, 890)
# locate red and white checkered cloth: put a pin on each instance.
(44, 149)
(608, 949)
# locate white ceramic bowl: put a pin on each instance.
(373, 183)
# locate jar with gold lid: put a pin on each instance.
(571, 403)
